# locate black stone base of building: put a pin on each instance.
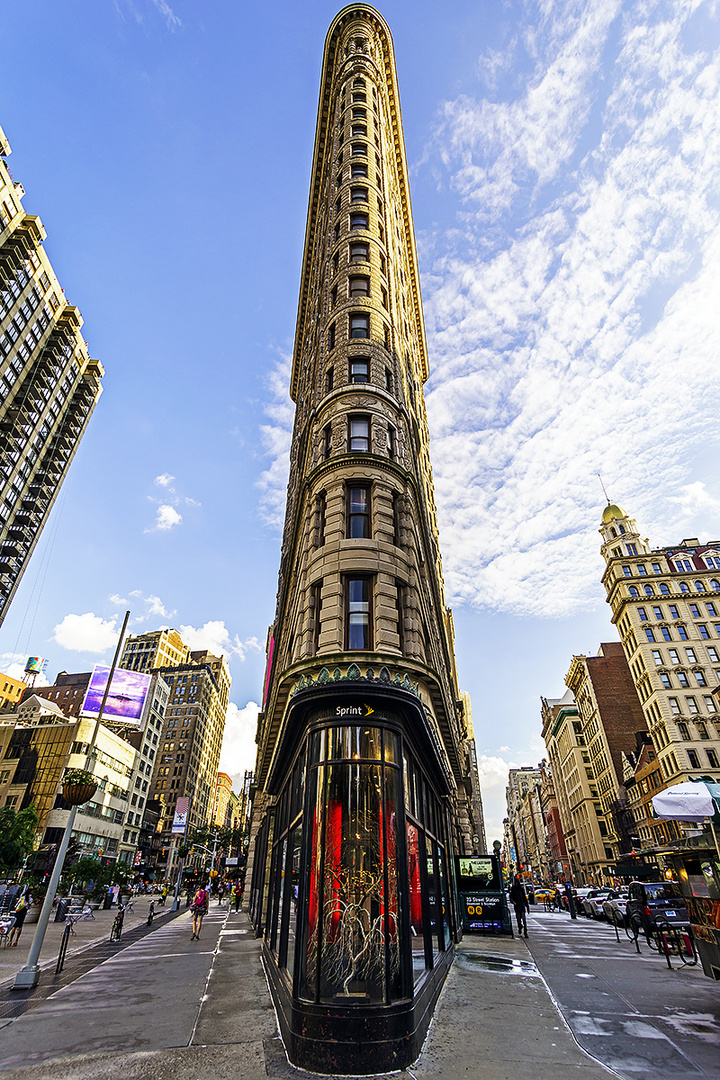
(357, 1039)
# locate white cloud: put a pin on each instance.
(238, 748)
(276, 438)
(167, 518)
(167, 514)
(153, 606)
(493, 772)
(580, 334)
(215, 637)
(86, 633)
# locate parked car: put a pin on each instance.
(579, 895)
(585, 902)
(594, 904)
(649, 901)
(614, 906)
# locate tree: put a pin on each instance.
(88, 868)
(17, 836)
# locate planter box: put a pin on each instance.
(33, 913)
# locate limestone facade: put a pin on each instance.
(360, 580)
(666, 605)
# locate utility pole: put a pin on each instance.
(28, 976)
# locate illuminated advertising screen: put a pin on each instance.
(126, 700)
(477, 872)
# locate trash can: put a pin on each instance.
(108, 901)
(62, 909)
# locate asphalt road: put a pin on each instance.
(628, 1010)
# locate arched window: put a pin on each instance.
(664, 590)
(715, 584)
(699, 586)
(649, 591)
(684, 587)
(633, 591)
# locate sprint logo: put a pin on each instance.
(354, 710)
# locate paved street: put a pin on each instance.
(87, 932)
(167, 1007)
(629, 1011)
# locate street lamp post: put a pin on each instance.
(28, 976)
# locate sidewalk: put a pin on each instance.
(88, 932)
(168, 1007)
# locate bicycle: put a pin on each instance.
(675, 941)
(117, 925)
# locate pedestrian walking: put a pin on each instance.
(21, 910)
(199, 909)
(519, 901)
(221, 893)
(238, 896)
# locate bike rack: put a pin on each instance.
(63, 948)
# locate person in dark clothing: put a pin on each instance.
(519, 901)
(21, 910)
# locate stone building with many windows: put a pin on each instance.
(364, 784)
(186, 765)
(666, 605)
(49, 385)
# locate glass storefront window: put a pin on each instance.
(353, 949)
(444, 899)
(375, 901)
(417, 932)
(391, 927)
(311, 922)
(294, 890)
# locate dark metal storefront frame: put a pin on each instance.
(345, 1031)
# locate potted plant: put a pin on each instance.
(78, 786)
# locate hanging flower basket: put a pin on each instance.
(78, 786)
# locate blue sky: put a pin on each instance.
(564, 163)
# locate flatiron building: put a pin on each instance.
(365, 785)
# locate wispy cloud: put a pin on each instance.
(172, 21)
(152, 606)
(167, 514)
(572, 314)
(276, 438)
(137, 10)
(216, 638)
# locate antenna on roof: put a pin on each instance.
(603, 487)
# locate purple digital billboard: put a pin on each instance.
(126, 700)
